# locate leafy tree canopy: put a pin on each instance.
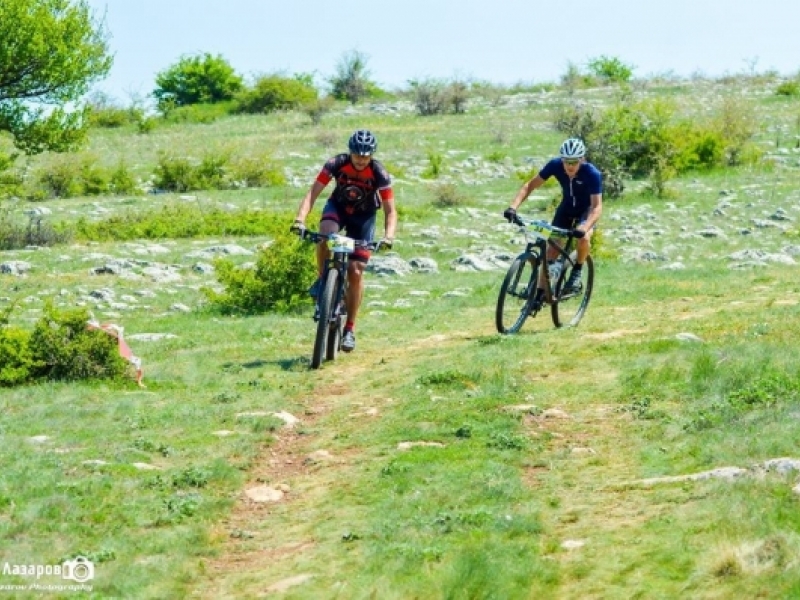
(197, 79)
(51, 51)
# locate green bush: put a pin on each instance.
(646, 139)
(35, 231)
(274, 92)
(278, 282)
(59, 348)
(610, 69)
(202, 78)
(216, 170)
(788, 88)
(80, 175)
(183, 220)
(174, 174)
(121, 181)
(62, 180)
(105, 112)
(434, 168)
(203, 113)
(17, 364)
(11, 179)
(256, 171)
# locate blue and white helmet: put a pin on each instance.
(573, 148)
(362, 142)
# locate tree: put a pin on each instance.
(351, 81)
(197, 79)
(51, 51)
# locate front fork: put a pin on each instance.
(337, 262)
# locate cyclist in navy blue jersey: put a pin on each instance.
(581, 203)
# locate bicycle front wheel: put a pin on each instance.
(334, 342)
(569, 305)
(516, 293)
(326, 300)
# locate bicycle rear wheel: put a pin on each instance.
(516, 293)
(568, 306)
(326, 300)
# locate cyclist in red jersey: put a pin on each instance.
(362, 187)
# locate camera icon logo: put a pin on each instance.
(80, 569)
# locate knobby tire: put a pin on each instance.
(516, 293)
(326, 305)
(568, 310)
(334, 343)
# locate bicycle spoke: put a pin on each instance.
(570, 304)
(513, 303)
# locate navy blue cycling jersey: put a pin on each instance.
(578, 190)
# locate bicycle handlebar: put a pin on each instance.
(316, 237)
(574, 233)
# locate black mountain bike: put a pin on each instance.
(331, 312)
(517, 300)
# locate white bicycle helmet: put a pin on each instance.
(573, 148)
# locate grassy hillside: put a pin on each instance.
(632, 456)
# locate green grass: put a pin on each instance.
(461, 464)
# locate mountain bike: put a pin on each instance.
(330, 312)
(518, 299)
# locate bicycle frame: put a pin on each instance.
(330, 311)
(538, 236)
(529, 271)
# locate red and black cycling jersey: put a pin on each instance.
(357, 191)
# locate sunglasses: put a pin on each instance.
(571, 161)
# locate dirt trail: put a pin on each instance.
(260, 541)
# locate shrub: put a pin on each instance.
(174, 174)
(274, 92)
(447, 195)
(197, 79)
(429, 97)
(62, 180)
(83, 175)
(121, 181)
(737, 120)
(212, 172)
(457, 96)
(256, 171)
(318, 108)
(62, 348)
(11, 179)
(434, 168)
(351, 81)
(180, 221)
(436, 96)
(645, 139)
(17, 364)
(203, 113)
(216, 170)
(279, 281)
(35, 232)
(788, 88)
(104, 112)
(610, 70)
